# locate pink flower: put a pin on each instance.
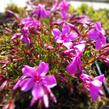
(64, 7)
(75, 50)
(36, 80)
(66, 36)
(24, 36)
(97, 34)
(41, 12)
(28, 23)
(93, 85)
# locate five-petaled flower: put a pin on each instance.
(66, 36)
(97, 34)
(93, 85)
(36, 80)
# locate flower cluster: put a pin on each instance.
(74, 42)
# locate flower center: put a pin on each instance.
(64, 37)
(37, 78)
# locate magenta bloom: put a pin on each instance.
(36, 80)
(66, 36)
(24, 36)
(30, 22)
(74, 66)
(97, 34)
(41, 12)
(93, 85)
(75, 50)
(64, 7)
(27, 23)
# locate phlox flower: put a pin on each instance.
(76, 50)
(94, 86)
(36, 80)
(30, 22)
(27, 23)
(24, 35)
(64, 7)
(97, 34)
(40, 11)
(65, 36)
(76, 64)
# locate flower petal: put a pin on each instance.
(98, 44)
(64, 6)
(26, 84)
(43, 68)
(50, 81)
(94, 92)
(80, 47)
(96, 83)
(17, 85)
(56, 32)
(74, 66)
(92, 34)
(28, 71)
(66, 29)
(25, 39)
(103, 40)
(72, 36)
(46, 100)
(68, 45)
(101, 78)
(98, 26)
(41, 11)
(84, 77)
(51, 94)
(37, 92)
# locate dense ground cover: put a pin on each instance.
(72, 62)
